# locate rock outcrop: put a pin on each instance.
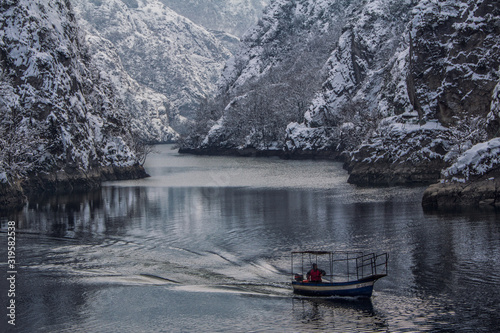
(62, 125)
(403, 87)
(452, 196)
(472, 181)
(159, 49)
(401, 154)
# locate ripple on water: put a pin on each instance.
(224, 228)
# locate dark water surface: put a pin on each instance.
(203, 246)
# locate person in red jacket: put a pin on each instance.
(315, 274)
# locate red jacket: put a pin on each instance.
(315, 275)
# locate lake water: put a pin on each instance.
(204, 246)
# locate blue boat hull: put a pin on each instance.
(358, 288)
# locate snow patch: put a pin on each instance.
(477, 161)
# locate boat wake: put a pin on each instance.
(269, 290)
(242, 288)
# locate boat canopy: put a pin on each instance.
(345, 273)
(339, 265)
(312, 252)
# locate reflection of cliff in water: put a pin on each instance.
(114, 210)
(82, 214)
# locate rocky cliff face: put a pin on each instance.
(365, 81)
(151, 112)
(161, 50)
(271, 79)
(62, 125)
(473, 179)
(231, 16)
(401, 88)
(453, 61)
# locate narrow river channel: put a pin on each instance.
(204, 244)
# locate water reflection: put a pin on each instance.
(346, 315)
(444, 269)
(79, 215)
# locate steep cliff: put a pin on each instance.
(397, 89)
(271, 79)
(473, 179)
(62, 125)
(231, 16)
(452, 68)
(429, 76)
(151, 112)
(161, 50)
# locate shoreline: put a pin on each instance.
(15, 195)
(253, 152)
(483, 193)
(360, 174)
(437, 197)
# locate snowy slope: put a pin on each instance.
(475, 162)
(159, 49)
(231, 16)
(365, 81)
(59, 119)
(417, 72)
(274, 75)
(151, 110)
(344, 50)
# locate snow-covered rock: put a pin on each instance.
(232, 16)
(453, 60)
(401, 153)
(151, 110)
(493, 120)
(480, 160)
(474, 178)
(396, 82)
(472, 181)
(159, 49)
(61, 123)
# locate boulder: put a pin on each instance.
(455, 195)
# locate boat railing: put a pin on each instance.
(357, 265)
(371, 264)
(343, 265)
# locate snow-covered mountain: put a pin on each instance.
(62, 124)
(272, 78)
(397, 88)
(150, 110)
(159, 49)
(453, 65)
(231, 16)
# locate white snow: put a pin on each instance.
(477, 161)
(3, 178)
(57, 112)
(159, 49)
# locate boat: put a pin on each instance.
(346, 273)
